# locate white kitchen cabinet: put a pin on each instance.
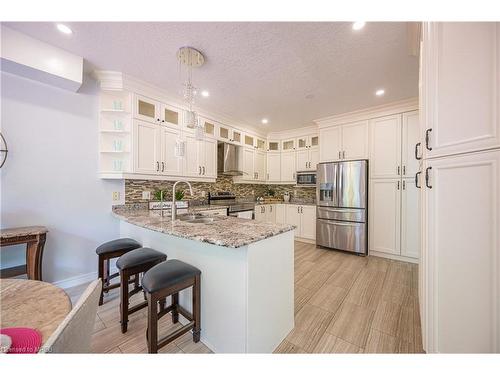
(170, 115)
(169, 163)
(146, 147)
(273, 167)
(306, 142)
(260, 165)
(410, 137)
(313, 158)
(229, 135)
(273, 146)
(247, 160)
(344, 142)
(288, 167)
(385, 216)
(385, 147)
(410, 219)
(304, 218)
(288, 145)
(302, 160)
(260, 213)
(280, 213)
(147, 109)
(330, 143)
(200, 157)
(461, 255)
(265, 213)
(460, 87)
(210, 158)
(271, 213)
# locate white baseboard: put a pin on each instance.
(393, 257)
(76, 280)
(305, 240)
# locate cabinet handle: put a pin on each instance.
(270, 208)
(203, 171)
(404, 170)
(162, 166)
(416, 151)
(398, 185)
(427, 139)
(427, 177)
(199, 170)
(298, 209)
(343, 154)
(416, 179)
(268, 176)
(404, 185)
(399, 169)
(301, 209)
(340, 154)
(157, 166)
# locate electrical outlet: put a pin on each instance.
(203, 194)
(146, 195)
(116, 196)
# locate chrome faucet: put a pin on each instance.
(174, 207)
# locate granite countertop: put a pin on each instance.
(224, 231)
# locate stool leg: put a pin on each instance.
(196, 309)
(100, 272)
(175, 311)
(106, 273)
(124, 300)
(152, 333)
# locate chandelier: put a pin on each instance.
(191, 58)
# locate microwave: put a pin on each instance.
(306, 178)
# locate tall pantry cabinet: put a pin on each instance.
(459, 147)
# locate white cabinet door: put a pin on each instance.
(292, 217)
(410, 219)
(146, 147)
(209, 165)
(273, 167)
(260, 165)
(248, 163)
(302, 160)
(461, 255)
(260, 213)
(171, 115)
(288, 167)
(355, 141)
(385, 203)
(385, 140)
(170, 164)
(280, 213)
(313, 158)
(192, 165)
(410, 137)
(461, 86)
(308, 222)
(271, 213)
(330, 143)
(147, 109)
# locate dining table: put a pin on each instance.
(33, 304)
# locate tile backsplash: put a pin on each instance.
(134, 189)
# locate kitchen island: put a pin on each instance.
(247, 277)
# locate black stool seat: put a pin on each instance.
(121, 244)
(167, 274)
(139, 257)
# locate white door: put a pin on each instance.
(170, 164)
(147, 109)
(273, 167)
(385, 140)
(147, 147)
(330, 144)
(410, 219)
(355, 141)
(260, 165)
(280, 213)
(410, 136)
(271, 213)
(313, 158)
(384, 225)
(288, 167)
(308, 222)
(248, 163)
(292, 216)
(209, 166)
(461, 86)
(462, 254)
(302, 160)
(192, 165)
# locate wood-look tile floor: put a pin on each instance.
(343, 304)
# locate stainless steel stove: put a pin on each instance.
(236, 208)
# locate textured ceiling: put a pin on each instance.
(255, 70)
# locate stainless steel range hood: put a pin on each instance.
(228, 159)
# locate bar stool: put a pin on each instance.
(108, 251)
(168, 279)
(132, 264)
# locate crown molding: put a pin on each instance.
(109, 80)
(392, 108)
(293, 133)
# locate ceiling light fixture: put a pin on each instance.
(264, 121)
(358, 25)
(64, 29)
(205, 94)
(380, 92)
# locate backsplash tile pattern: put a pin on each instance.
(134, 189)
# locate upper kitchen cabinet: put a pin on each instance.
(330, 143)
(410, 148)
(169, 163)
(249, 141)
(273, 146)
(208, 127)
(288, 145)
(460, 94)
(260, 165)
(200, 157)
(170, 115)
(229, 135)
(385, 147)
(147, 109)
(288, 168)
(260, 144)
(273, 167)
(344, 142)
(146, 148)
(306, 142)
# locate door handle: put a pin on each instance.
(416, 179)
(162, 166)
(416, 151)
(427, 177)
(398, 185)
(203, 171)
(427, 132)
(404, 185)
(399, 170)
(340, 154)
(157, 166)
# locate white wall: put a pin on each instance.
(50, 177)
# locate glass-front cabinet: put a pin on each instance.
(260, 144)
(273, 146)
(237, 137)
(224, 133)
(310, 141)
(249, 140)
(314, 141)
(171, 115)
(209, 128)
(147, 109)
(288, 145)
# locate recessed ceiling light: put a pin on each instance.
(64, 29)
(358, 25)
(205, 93)
(380, 92)
(264, 120)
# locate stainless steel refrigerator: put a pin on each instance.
(342, 205)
